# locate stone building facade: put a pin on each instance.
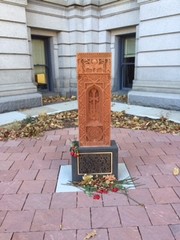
(39, 40)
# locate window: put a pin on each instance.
(127, 61)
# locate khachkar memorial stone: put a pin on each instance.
(98, 154)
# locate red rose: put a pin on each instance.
(100, 191)
(115, 190)
(96, 196)
(105, 191)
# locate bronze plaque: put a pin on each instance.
(95, 163)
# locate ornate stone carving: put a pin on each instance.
(94, 98)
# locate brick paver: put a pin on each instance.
(63, 235)
(162, 214)
(30, 209)
(28, 236)
(149, 170)
(63, 200)
(166, 180)
(31, 187)
(24, 174)
(37, 201)
(147, 182)
(4, 155)
(15, 149)
(164, 195)
(49, 186)
(10, 187)
(40, 164)
(156, 233)
(177, 190)
(176, 231)
(2, 216)
(17, 221)
(166, 168)
(46, 220)
(149, 160)
(5, 236)
(115, 199)
(19, 164)
(85, 201)
(5, 165)
(76, 218)
(18, 156)
(47, 174)
(124, 233)
(35, 156)
(140, 196)
(177, 208)
(133, 216)
(100, 234)
(12, 201)
(105, 217)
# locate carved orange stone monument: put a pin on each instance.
(94, 98)
(97, 153)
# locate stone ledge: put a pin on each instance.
(81, 2)
(152, 99)
(12, 103)
(17, 2)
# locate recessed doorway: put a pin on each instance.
(127, 61)
(41, 62)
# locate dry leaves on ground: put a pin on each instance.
(162, 125)
(58, 99)
(35, 127)
(120, 98)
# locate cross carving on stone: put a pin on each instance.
(93, 101)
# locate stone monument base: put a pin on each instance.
(95, 161)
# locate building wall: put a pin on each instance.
(157, 80)
(82, 27)
(93, 26)
(15, 70)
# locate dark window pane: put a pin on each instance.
(128, 75)
(129, 60)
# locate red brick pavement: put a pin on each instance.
(30, 209)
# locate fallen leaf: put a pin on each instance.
(90, 235)
(176, 171)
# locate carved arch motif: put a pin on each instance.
(94, 104)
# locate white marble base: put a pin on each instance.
(65, 177)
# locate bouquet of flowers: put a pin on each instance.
(74, 149)
(96, 185)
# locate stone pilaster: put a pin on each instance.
(157, 75)
(15, 68)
